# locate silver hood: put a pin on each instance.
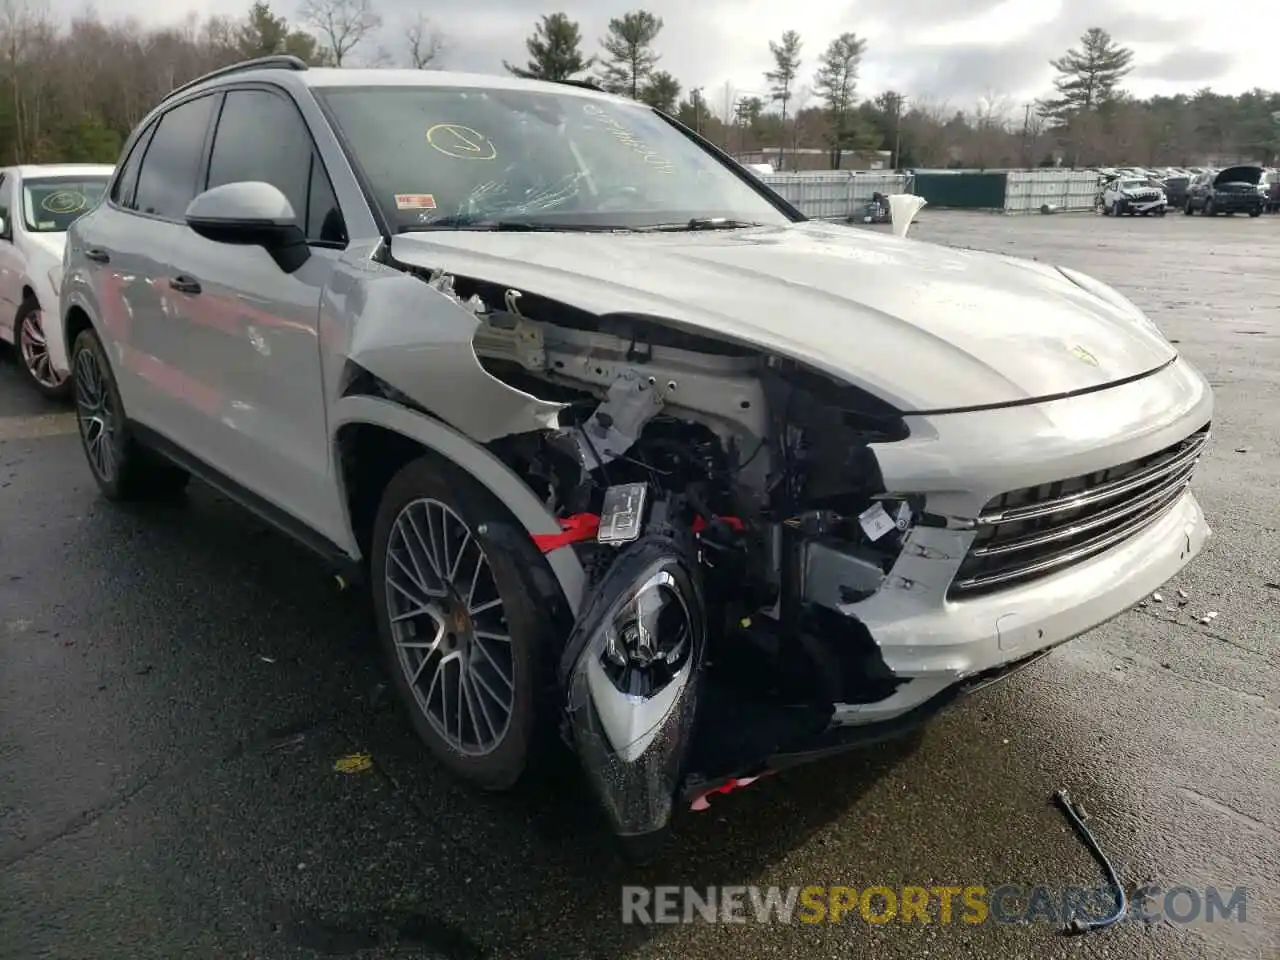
(923, 326)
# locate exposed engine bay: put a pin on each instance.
(725, 505)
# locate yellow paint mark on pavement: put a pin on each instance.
(37, 425)
(354, 763)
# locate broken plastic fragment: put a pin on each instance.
(701, 802)
(1157, 598)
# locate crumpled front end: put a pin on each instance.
(1148, 200)
(776, 564)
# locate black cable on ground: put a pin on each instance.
(1075, 813)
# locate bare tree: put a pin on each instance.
(426, 43)
(342, 24)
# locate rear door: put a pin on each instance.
(252, 328)
(130, 237)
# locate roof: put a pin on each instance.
(28, 170)
(328, 77)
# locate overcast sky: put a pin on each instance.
(955, 51)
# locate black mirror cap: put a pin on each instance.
(286, 243)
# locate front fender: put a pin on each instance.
(479, 463)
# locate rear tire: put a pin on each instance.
(122, 467)
(480, 704)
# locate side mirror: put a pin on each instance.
(251, 213)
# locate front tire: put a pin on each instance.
(465, 641)
(122, 467)
(33, 353)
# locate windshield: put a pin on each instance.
(459, 157)
(51, 204)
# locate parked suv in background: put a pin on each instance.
(37, 204)
(623, 443)
(1232, 190)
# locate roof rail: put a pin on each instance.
(281, 61)
(587, 84)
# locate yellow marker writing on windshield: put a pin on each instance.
(64, 201)
(461, 143)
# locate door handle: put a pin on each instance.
(97, 255)
(184, 284)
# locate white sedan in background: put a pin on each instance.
(37, 204)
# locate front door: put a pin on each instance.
(252, 328)
(10, 261)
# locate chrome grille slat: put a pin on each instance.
(1036, 531)
(1189, 452)
(1178, 480)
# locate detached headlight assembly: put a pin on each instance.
(1111, 296)
(633, 666)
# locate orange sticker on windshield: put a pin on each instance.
(415, 201)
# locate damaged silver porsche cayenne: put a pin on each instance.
(631, 453)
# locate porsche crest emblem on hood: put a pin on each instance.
(1080, 353)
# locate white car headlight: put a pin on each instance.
(1112, 297)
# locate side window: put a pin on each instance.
(167, 181)
(262, 136)
(324, 219)
(126, 184)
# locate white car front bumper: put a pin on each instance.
(934, 638)
(1146, 206)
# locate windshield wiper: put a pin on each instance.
(700, 223)
(465, 221)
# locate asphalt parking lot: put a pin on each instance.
(182, 692)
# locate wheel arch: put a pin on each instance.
(374, 437)
(75, 320)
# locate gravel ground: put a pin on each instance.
(177, 685)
